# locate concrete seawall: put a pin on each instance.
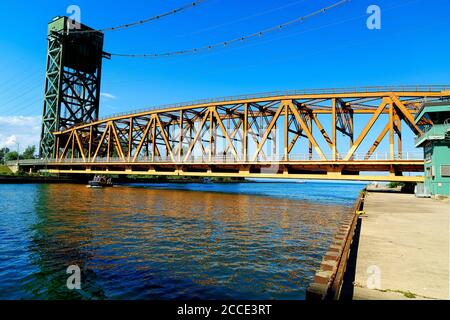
(328, 281)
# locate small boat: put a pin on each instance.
(100, 182)
(207, 180)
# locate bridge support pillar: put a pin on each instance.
(244, 170)
(394, 173)
(334, 174)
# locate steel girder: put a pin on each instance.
(236, 135)
(50, 120)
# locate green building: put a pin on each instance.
(434, 120)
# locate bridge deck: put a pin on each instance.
(359, 170)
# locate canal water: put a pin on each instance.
(167, 241)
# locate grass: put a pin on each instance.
(4, 170)
(407, 294)
(394, 185)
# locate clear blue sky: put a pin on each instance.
(331, 50)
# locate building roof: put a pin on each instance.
(435, 107)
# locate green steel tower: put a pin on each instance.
(72, 85)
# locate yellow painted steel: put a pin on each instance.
(417, 94)
(247, 127)
(247, 175)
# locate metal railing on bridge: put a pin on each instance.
(436, 132)
(369, 89)
(227, 159)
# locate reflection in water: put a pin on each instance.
(146, 243)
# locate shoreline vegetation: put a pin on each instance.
(5, 171)
(7, 176)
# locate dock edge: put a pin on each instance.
(327, 282)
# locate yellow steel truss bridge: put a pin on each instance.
(314, 134)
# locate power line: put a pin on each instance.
(36, 102)
(254, 15)
(30, 89)
(19, 80)
(349, 19)
(145, 21)
(236, 40)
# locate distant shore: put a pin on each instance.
(25, 179)
(39, 179)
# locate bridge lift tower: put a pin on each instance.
(72, 85)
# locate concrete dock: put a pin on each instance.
(403, 249)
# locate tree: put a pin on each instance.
(11, 156)
(29, 152)
(3, 152)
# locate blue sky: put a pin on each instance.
(335, 49)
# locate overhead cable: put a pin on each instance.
(144, 21)
(236, 40)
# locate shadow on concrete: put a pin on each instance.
(350, 273)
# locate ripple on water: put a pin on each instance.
(166, 241)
